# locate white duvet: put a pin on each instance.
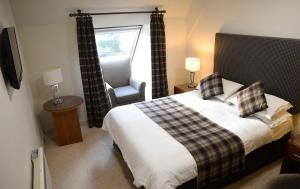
(157, 160)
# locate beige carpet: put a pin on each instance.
(95, 164)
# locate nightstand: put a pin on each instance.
(291, 161)
(182, 88)
(66, 121)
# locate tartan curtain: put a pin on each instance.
(158, 56)
(96, 99)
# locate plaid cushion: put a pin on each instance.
(211, 86)
(252, 99)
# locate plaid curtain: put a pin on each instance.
(158, 56)
(96, 99)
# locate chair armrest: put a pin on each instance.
(138, 85)
(111, 95)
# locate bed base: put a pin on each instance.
(254, 161)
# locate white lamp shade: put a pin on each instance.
(192, 64)
(52, 76)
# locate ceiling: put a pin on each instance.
(31, 12)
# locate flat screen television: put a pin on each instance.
(11, 61)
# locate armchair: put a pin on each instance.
(121, 87)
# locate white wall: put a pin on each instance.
(19, 133)
(279, 18)
(49, 38)
(176, 51)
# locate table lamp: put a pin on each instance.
(192, 65)
(52, 77)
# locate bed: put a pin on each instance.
(157, 160)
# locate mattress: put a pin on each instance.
(157, 160)
(282, 129)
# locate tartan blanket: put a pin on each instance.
(217, 151)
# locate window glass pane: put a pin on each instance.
(116, 42)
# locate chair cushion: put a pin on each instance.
(126, 94)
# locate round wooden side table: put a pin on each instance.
(66, 121)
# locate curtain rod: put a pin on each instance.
(114, 27)
(79, 13)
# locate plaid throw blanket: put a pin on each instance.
(217, 151)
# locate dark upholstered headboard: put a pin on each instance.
(274, 61)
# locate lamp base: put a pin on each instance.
(56, 98)
(192, 78)
(192, 85)
(57, 101)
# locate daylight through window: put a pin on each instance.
(120, 41)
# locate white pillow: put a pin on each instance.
(276, 107)
(229, 88)
(232, 100)
(284, 118)
(268, 118)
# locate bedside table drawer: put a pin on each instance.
(295, 156)
(294, 152)
(292, 148)
(178, 90)
(182, 88)
(291, 161)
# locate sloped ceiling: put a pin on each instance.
(52, 11)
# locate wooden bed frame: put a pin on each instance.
(275, 62)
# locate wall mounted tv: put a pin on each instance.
(11, 61)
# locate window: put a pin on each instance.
(117, 41)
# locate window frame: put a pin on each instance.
(124, 28)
